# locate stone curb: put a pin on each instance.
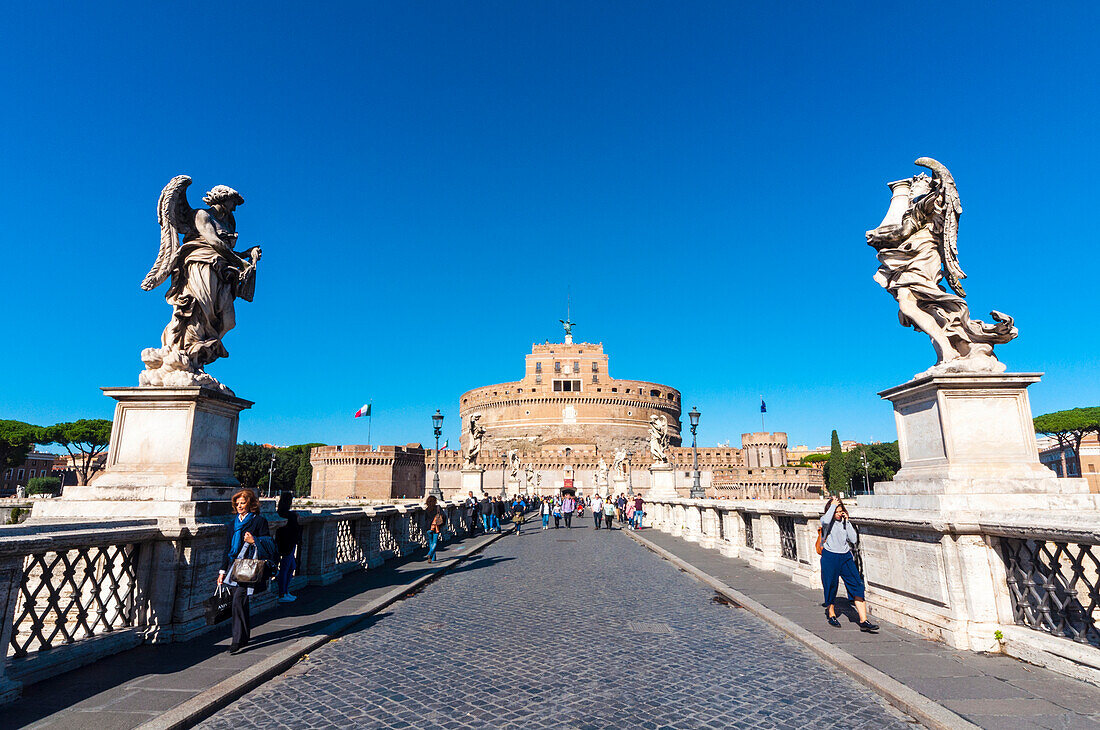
(209, 701)
(927, 711)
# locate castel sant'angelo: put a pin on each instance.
(563, 423)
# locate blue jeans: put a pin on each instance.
(485, 523)
(287, 564)
(494, 522)
(637, 520)
(433, 540)
(835, 566)
(545, 520)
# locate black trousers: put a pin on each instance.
(607, 519)
(242, 624)
(568, 519)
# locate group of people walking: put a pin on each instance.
(629, 511)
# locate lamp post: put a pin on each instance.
(503, 468)
(568, 466)
(270, 476)
(866, 471)
(437, 425)
(696, 488)
(629, 473)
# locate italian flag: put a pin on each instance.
(364, 411)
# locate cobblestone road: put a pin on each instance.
(562, 629)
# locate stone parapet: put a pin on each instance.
(101, 587)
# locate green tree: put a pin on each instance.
(88, 437)
(1069, 428)
(813, 460)
(883, 462)
(836, 476)
(251, 464)
(16, 441)
(44, 485)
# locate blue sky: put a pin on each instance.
(428, 180)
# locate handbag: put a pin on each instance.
(247, 571)
(818, 546)
(219, 606)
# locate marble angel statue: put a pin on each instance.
(601, 473)
(206, 276)
(658, 438)
(618, 464)
(513, 465)
(917, 249)
(474, 433)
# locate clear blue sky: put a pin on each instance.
(429, 179)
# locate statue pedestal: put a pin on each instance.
(967, 443)
(662, 482)
(618, 486)
(512, 488)
(172, 449)
(473, 481)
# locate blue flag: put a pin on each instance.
(763, 408)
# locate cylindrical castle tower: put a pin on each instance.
(764, 449)
(567, 396)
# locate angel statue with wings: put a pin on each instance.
(917, 249)
(658, 438)
(618, 464)
(205, 277)
(474, 433)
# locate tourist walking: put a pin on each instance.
(434, 518)
(597, 510)
(545, 509)
(557, 512)
(639, 511)
(568, 506)
(248, 534)
(838, 535)
(471, 510)
(620, 507)
(485, 508)
(496, 514)
(518, 508)
(288, 540)
(608, 512)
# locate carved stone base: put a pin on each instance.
(172, 449)
(618, 486)
(473, 480)
(967, 443)
(662, 482)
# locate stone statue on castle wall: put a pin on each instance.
(206, 276)
(474, 433)
(528, 473)
(658, 438)
(917, 249)
(601, 473)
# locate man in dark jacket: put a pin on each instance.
(485, 509)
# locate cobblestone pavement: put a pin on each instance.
(563, 629)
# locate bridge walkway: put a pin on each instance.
(563, 629)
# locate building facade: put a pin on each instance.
(37, 464)
(1061, 459)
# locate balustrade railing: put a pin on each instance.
(1055, 587)
(63, 586)
(788, 548)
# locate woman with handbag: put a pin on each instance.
(836, 538)
(244, 534)
(433, 516)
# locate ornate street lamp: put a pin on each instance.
(696, 489)
(271, 476)
(437, 425)
(629, 473)
(503, 468)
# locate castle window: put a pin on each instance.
(576, 367)
(557, 367)
(655, 393)
(538, 380)
(671, 397)
(538, 367)
(595, 378)
(628, 390)
(614, 390)
(595, 367)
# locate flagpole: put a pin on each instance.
(762, 427)
(370, 419)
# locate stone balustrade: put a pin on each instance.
(75, 591)
(1032, 576)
